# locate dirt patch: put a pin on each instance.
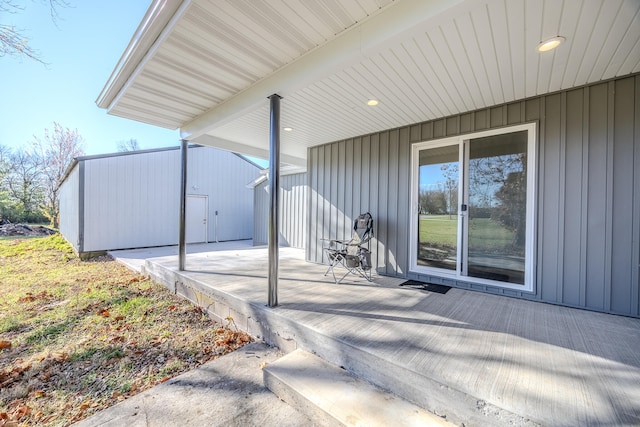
(7, 230)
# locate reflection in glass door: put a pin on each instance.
(474, 196)
(496, 189)
(438, 207)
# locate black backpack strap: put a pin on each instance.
(368, 220)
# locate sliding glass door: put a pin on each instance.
(473, 207)
(438, 207)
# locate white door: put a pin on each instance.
(196, 221)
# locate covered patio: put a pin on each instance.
(374, 93)
(475, 358)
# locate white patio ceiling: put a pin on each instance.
(207, 66)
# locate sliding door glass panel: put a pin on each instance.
(438, 207)
(497, 201)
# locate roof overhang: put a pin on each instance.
(207, 67)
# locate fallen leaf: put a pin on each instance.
(38, 394)
(263, 365)
(172, 307)
(21, 411)
(59, 356)
(5, 344)
(165, 379)
(104, 312)
(27, 298)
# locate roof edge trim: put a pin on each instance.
(155, 21)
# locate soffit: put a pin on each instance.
(473, 55)
(218, 48)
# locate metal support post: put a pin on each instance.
(182, 240)
(274, 186)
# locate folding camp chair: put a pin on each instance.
(354, 255)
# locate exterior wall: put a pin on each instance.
(133, 200)
(223, 176)
(293, 211)
(588, 201)
(69, 208)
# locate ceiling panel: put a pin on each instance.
(476, 54)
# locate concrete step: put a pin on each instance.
(331, 396)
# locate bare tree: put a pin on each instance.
(12, 40)
(5, 152)
(5, 201)
(129, 145)
(55, 151)
(23, 182)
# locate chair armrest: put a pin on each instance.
(334, 244)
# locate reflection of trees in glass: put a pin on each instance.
(450, 173)
(498, 189)
(513, 197)
(432, 202)
(441, 195)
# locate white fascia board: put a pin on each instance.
(352, 46)
(157, 23)
(247, 150)
(259, 180)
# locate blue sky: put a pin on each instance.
(81, 50)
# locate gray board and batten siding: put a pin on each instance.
(588, 193)
(131, 200)
(293, 211)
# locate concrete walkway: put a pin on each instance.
(228, 391)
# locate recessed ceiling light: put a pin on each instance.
(288, 129)
(550, 44)
(372, 102)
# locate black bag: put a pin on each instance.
(365, 259)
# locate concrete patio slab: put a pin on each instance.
(476, 358)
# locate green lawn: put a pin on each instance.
(79, 336)
(484, 233)
(438, 229)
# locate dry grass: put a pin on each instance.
(77, 337)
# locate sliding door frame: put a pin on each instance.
(532, 178)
